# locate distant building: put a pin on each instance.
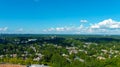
(32, 40)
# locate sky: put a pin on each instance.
(60, 16)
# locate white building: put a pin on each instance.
(35, 65)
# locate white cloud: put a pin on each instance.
(20, 30)
(4, 29)
(60, 29)
(64, 29)
(51, 29)
(109, 23)
(107, 26)
(83, 21)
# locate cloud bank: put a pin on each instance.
(107, 26)
(20, 30)
(83, 21)
(3, 29)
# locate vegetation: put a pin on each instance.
(61, 50)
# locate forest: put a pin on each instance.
(57, 50)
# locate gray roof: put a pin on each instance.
(35, 65)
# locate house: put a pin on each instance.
(105, 51)
(72, 50)
(101, 58)
(64, 55)
(81, 60)
(35, 65)
(39, 56)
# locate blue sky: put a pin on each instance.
(60, 16)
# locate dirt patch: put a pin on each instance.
(11, 65)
